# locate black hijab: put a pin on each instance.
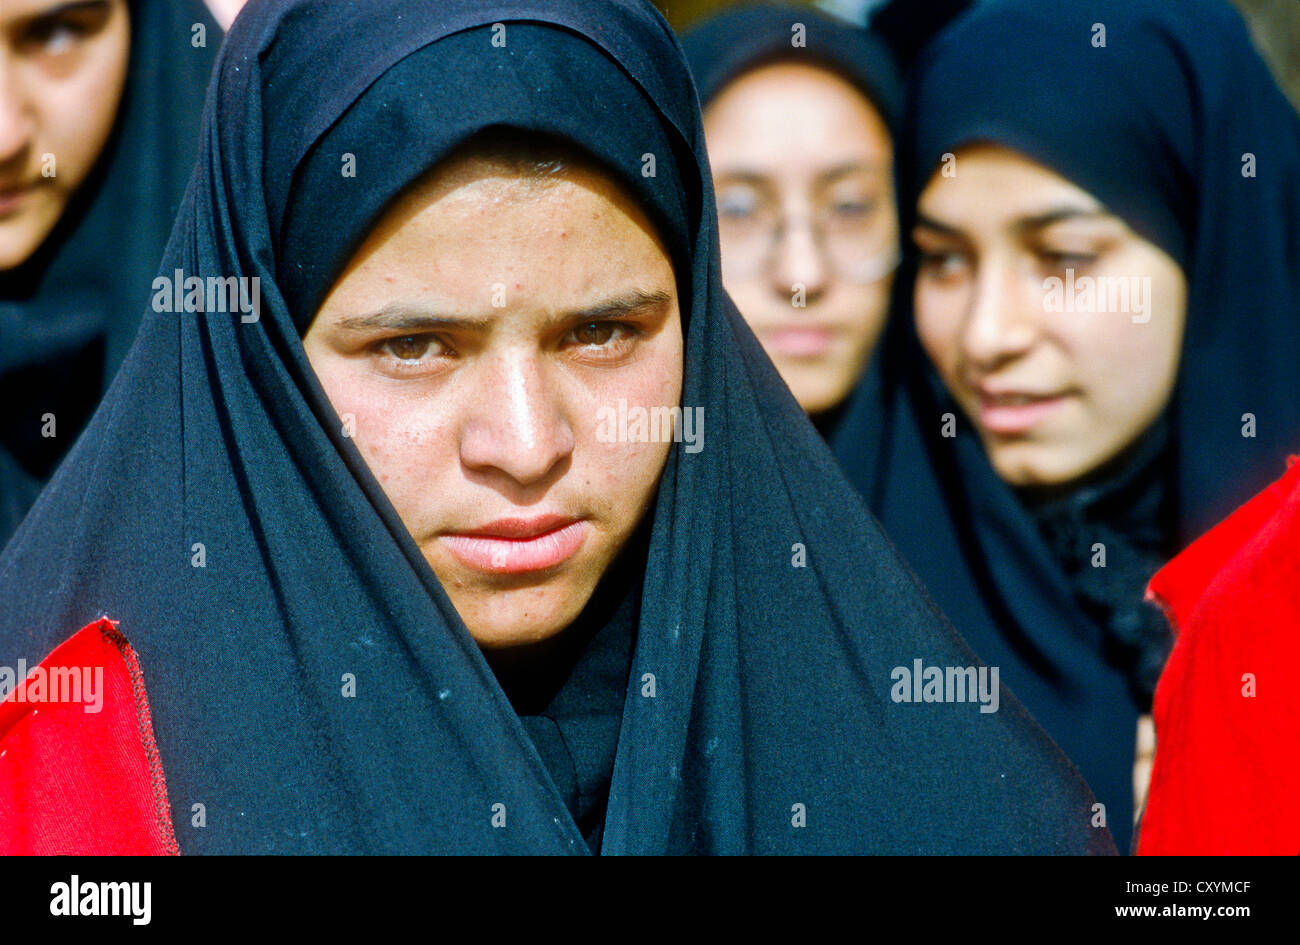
(907, 25)
(1155, 124)
(68, 314)
(758, 697)
(744, 37)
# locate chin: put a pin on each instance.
(1030, 467)
(818, 402)
(817, 397)
(24, 233)
(16, 251)
(509, 619)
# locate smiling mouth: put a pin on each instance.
(515, 546)
(1011, 414)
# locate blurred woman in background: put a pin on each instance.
(798, 117)
(99, 116)
(1109, 261)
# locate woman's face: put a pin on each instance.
(62, 68)
(472, 341)
(794, 143)
(1057, 328)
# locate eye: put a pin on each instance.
(594, 333)
(409, 348)
(739, 203)
(852, 208)
(603, 338)
(55, 35)
(942, 264)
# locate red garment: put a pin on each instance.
(82, 782)
(1227, 767)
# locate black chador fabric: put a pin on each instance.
(1154, 124)
(69, 313)
(756, 714)
(906, 26)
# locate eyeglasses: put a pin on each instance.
(855, 234)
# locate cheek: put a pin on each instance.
(627, 468)
(79, 112)
(618, 479)
(863, 308)
(403, 444)
(1128, 367)
(751, 294)
(1168, 324)
(405, 440)
(938, 325)
(1130, 358)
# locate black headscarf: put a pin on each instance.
(756, 715)
(907, 25)
(1155, 124)
(68, 313)
(745, 37)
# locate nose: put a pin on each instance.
(16, 124)
(799, 261)
(1001, 322)
(516, 425)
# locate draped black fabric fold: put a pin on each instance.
(69, 313)
(1155, 125)
(757, 714)
(1126, 508)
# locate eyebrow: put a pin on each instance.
(1059, 214)
(412, 317)
(1028, 224)
(850, 167)
(750, 176)
(930, 224)
(25, 20)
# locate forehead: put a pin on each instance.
(784, 115)
(485, 201)
(474, 228)
(995, 186)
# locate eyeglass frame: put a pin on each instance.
(872, 271)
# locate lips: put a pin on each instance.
(11, 198)
(803, 341)
(1009, 412)
(516, 545)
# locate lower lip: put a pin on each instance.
(11, 200)
(798, 342)
(517, 555)
(1018, 418)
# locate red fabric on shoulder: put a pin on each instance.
(79, 770)
(1227, 769)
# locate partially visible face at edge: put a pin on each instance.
(802, 136)
(1057, 329)
(473, 340)
(62, 70)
